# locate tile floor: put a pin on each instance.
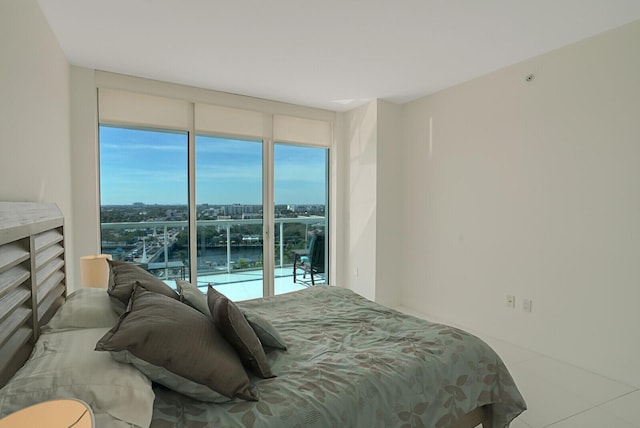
(560, 395)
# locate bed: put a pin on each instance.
(328, 357)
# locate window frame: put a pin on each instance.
(118, 108)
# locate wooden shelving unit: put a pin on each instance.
(32, 277)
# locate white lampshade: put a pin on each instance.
(94, 271)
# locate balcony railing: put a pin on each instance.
(153, 247)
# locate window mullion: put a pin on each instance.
(193, 232)
(268, 219)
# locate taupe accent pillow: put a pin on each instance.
(124, 275)
(167, 333)
(265, 331)
(192, 296)
(212, 296)
(236, 329)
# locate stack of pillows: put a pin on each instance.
(202, 346)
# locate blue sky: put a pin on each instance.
(151, 167)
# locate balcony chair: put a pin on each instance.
(310, 260)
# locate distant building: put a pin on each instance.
(237, 209)
(248, 216)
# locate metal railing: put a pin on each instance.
(160, 246)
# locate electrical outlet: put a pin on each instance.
(511, 301)
(526, 305)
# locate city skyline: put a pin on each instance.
(150, 167)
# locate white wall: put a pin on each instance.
(373, 238)
(85, 158)
(360, 135)
(533, 189)
(34, 113)
(389, 237)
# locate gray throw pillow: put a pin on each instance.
(192, 296)
(236, 329)
(265, 331)
(167, 333)
(124, 275)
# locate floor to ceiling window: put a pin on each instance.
(143, 198)
(229, 211)
(301, 220)
(202, 193)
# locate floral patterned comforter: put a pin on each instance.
(354, 363)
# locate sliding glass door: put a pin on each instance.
(229, 182)
(300, 212)
(221, 236)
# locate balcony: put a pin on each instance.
(229, 253)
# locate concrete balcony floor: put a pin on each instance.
(247, 284)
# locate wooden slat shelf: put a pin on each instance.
(45, 287)
(22, 219)
(45, 239)
(14, 353)
(13, 278)
(49, 304)
(45, 256)
(18, 318)
(32, 277)
(12, 254)
(49, 269)
(13, 300)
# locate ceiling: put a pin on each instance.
(331, 54)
